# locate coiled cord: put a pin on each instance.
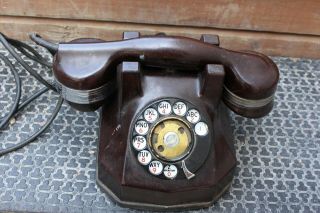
(9, 44)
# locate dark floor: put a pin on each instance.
(278, 166)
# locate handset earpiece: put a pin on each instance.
(257, 100)
(92, 98)
(86, 71)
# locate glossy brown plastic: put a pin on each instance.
(146, 69)
(119, 173)
(91, 106)
(88, 65)
(126, 182)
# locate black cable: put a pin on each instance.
(16, 107)
(25, 49)
(35, 135)
(15, 104)
(51, 47)
(23, 63)
(26, 103)
(18, 43)
(31, 98)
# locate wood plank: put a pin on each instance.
(65, 30)
(295, 16)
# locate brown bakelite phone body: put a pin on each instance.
(165, 141)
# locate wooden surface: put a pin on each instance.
(281, 27)
(291, 16)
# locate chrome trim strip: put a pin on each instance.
(85, 96)
(248, 103)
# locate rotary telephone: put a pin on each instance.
(165, 141)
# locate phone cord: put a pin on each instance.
(10, 45)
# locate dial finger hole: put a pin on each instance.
(155, 138)
(181, 130)
(160, 148)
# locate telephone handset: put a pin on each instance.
(165, 139)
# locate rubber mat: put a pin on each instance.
(278, 167)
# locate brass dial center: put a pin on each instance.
(171, 139)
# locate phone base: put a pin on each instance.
(178, 207)
(120, 174)
(130, 186)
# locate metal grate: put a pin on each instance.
(278, 156)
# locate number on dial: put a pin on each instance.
(144, 157)
(139, 143)
(155, 167)
(150, 115)
(170, 171)
(180, 108)
(193, 116)
(141, 127)
(164, 108)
